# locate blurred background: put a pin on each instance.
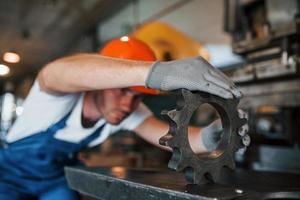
(255, 42)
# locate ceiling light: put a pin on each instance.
(124, 39)
(11, 57)
(4, 70)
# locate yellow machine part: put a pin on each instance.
(169, 43)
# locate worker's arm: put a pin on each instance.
(201, 139)
(95, 72)
(85, 72)
(152, 129)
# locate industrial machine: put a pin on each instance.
(266, 34)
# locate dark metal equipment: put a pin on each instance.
(266, 33)
(203, 168)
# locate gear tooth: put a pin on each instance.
(174, 115)
(202, 178)
(243, 130)
(242, 150)
(242, 117)
(171, 115)
(175, 159)
(230, 164)
(180, 166)
(197, 176)
(172, 164)
(215, 174)
(164, 112)
(242, 114)
(190, 174)
(246, 140)
(165, 139)
(176, 162)
(169, 140)
(187, 95)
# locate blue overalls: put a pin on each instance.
(33, 167)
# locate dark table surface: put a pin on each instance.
(143, 184)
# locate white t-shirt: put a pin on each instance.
(41, 110)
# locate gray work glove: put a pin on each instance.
(194, 74)
(212, 134)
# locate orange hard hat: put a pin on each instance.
(133, 49)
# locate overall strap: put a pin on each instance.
(84, 143)
(60, 124)
(49, 132)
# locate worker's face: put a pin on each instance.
(116, 104)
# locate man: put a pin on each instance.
(78, 101)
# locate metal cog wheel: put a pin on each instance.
(204, 168)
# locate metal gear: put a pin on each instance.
(204, 168)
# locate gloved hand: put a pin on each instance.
(212, 134)
(194, 74)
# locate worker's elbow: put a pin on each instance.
(45, 79)
(41, 78)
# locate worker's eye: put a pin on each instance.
(139, 97)
(125, 91)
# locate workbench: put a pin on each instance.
(143, 184)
